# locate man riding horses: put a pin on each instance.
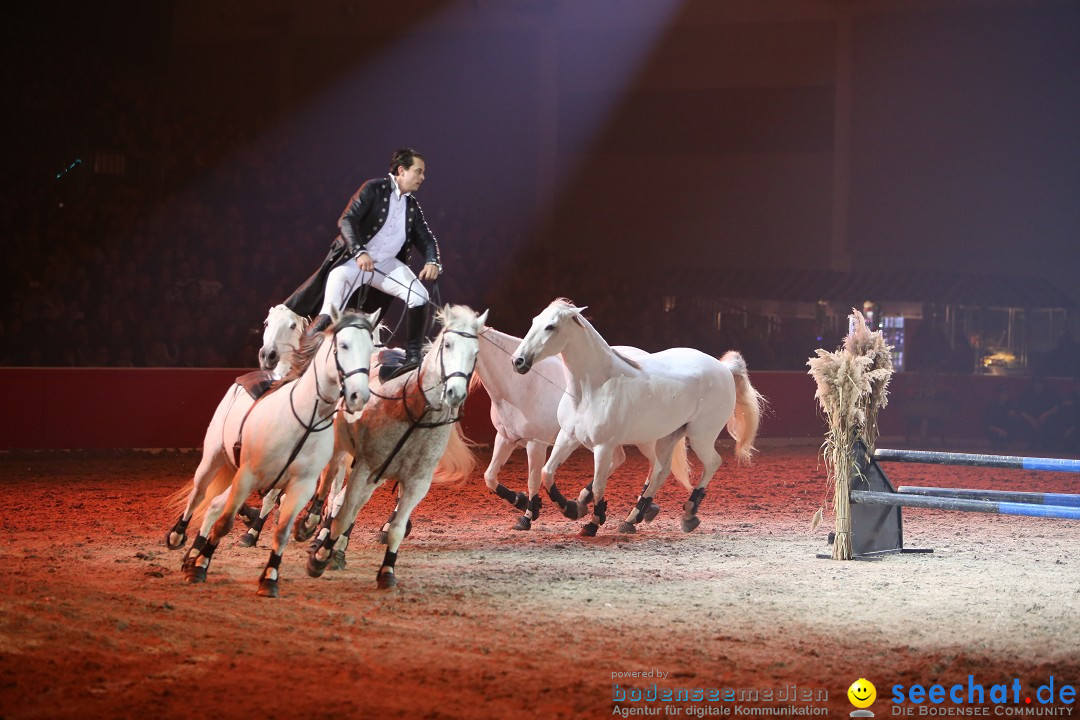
(379, 228)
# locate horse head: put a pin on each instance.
(282, 331)
(455, 351)
(353, 345)
(547, 335)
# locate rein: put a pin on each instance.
(417, 422)
(311, 426)
(540, 375)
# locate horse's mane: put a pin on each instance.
(302, 358)
(455, 316)
(565, 305)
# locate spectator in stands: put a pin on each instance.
(1037, 409)
(1001, 420)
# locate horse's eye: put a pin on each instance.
(344, 346)
(292, 326)
(550, 328)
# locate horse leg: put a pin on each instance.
(337, 558)
(499, 455)
(307, 522)
(535, 451)
(209, 466)
(659, 455)
(565, 444)
(356, 494)
(256, 519)
(195, 571)
(703, 445)
(412, 492)
(602, 465)
(213, 512)
(586, 496)
(299, 492)
(380, 537)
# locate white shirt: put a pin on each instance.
(388, 242)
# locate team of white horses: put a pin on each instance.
(561, 386)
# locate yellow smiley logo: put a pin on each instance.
(862, 693)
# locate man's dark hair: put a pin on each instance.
(403, 158)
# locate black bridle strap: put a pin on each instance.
(310, 426)
(417, 422)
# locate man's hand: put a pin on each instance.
(365, 263)
(429, 272)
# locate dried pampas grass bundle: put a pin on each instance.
(852, 387)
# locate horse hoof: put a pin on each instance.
(380, 537)
(248, 514)
(589, 530)
(689, 523)
(302, 531)
(521, 501)
(651, 512)
(195, 574)
(386, 581)
(268, 588)
(315, 566)
(178, 544)
(247, 540)
(627, 528)
(337, 560)
(574, 510)
(523, 523)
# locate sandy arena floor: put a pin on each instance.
(96, 621)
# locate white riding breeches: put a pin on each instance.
(391, 276)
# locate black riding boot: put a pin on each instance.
(318, 325)
(416, 320)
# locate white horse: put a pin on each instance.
(651, 402)
(283, 446)
(456, 463)
(524, 411)
(402, 434)
(282, 332)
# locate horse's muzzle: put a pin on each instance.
(268, 359)
(521, 365)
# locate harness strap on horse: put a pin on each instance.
(416, 422)
(308, 429)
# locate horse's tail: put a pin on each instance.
(749, 403)
(177, 502)
(680, 466)
(458, 460)
(220, 483)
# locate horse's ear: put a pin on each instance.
(373, 318)
(482, 320)
(580, 310)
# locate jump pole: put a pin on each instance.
(974, 460)
(1007, 496)
(947, 503)
(876, 520)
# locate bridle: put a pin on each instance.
(418, 421)
(313, 425)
